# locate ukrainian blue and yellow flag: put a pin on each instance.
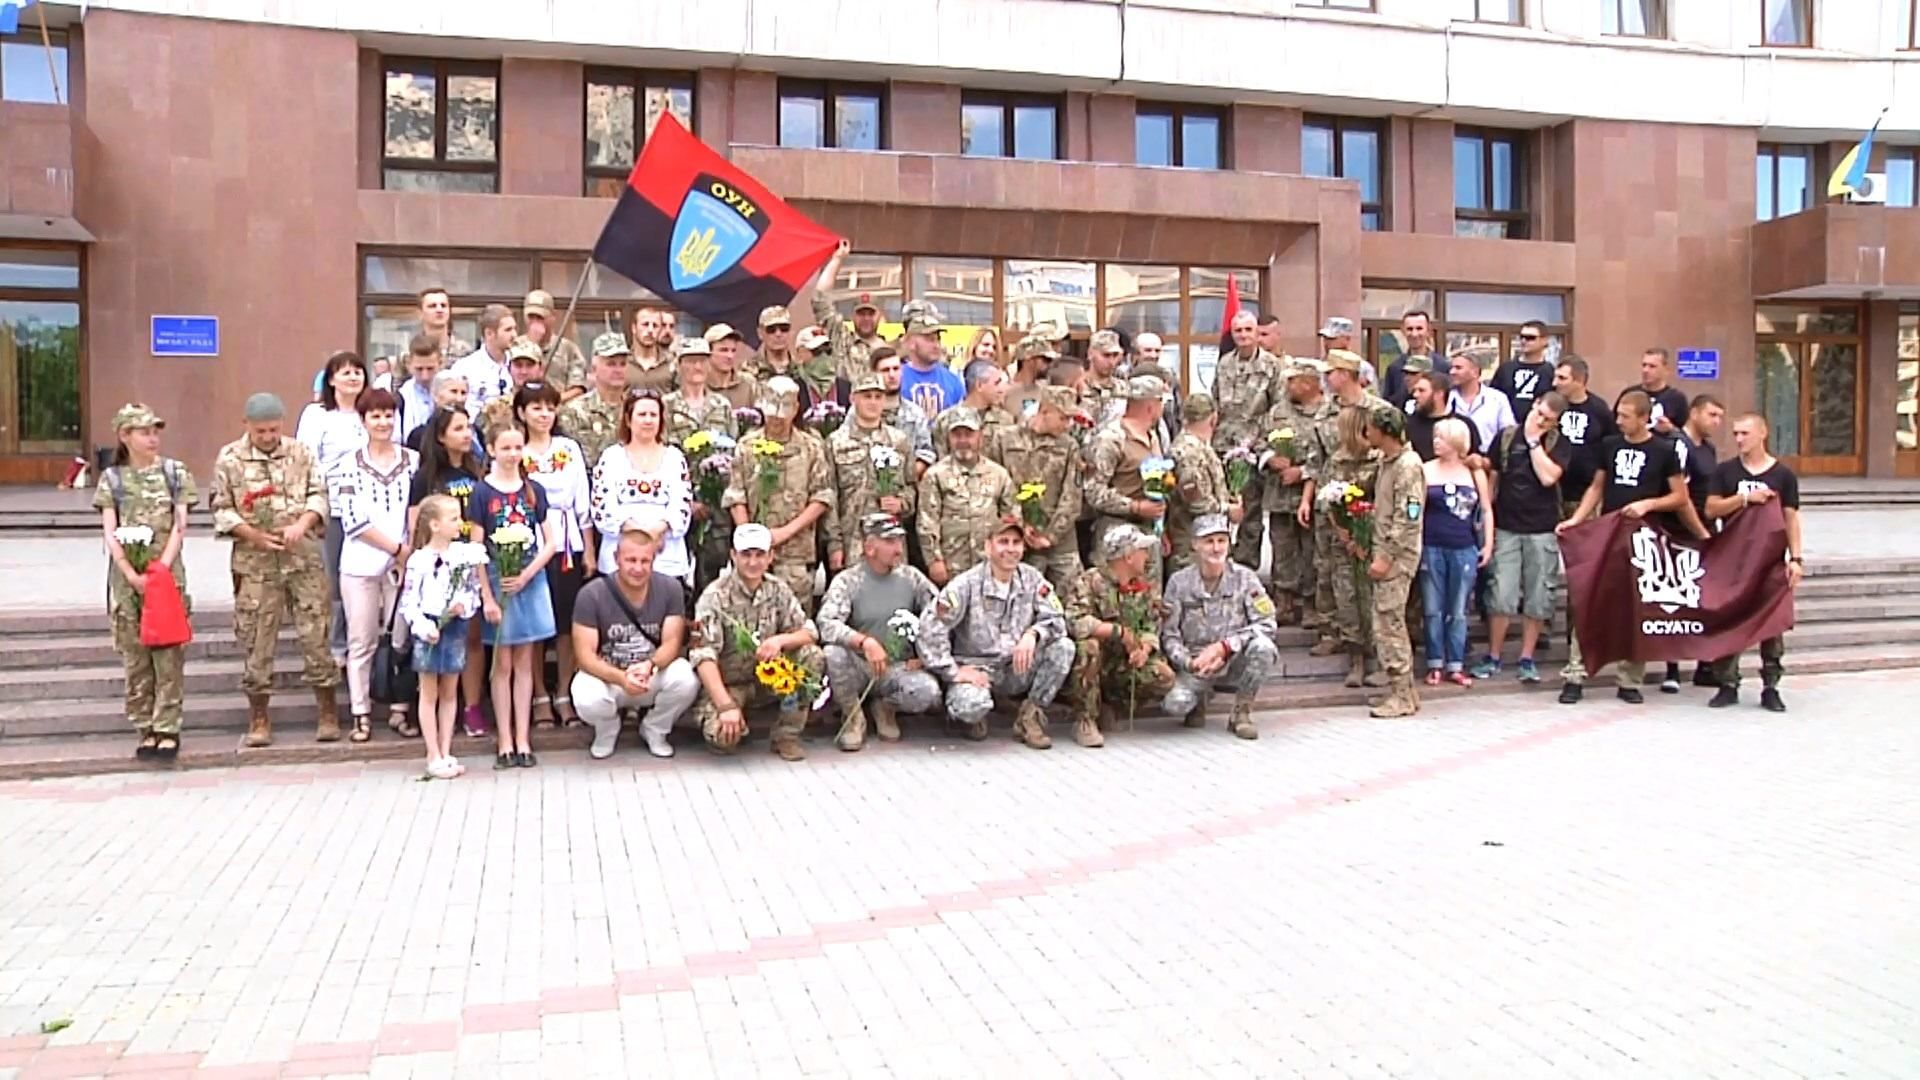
(1850, 175)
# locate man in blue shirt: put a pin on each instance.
(926, 380)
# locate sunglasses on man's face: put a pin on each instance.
(779, 328)
(1529, 337)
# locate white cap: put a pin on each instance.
(752, 536)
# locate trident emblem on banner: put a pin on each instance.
(1669, 576)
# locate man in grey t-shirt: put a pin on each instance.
(629, 637)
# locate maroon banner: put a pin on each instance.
(1640, 592)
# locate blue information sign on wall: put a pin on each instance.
(1697, 363)
(186, 335)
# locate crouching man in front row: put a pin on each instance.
(746, 618)
(1219, 631)
(867, 622)
(997, 630)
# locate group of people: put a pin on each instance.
(664, 515)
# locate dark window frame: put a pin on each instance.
(1520, 219)
(1519, 13)
(1340, 125)
(11, 440)
(1776, 151)
(1007, 101)
(442, 69)
(828, 92)
(638, 80)
(1657, 31)
(1178, 112)
(1806, 29)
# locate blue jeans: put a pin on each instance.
(1446, 580)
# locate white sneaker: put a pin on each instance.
(605, 734)
(658, 746)
(441, 768)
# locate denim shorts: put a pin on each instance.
(448, 656)
(1523, 571)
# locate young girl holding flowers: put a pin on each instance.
(509, 513)
(446, 583)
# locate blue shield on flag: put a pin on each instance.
(710, 236)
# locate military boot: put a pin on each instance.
(853, 730)
(328, 729)
(1326, 646)
(1376, 677)
(1241, 723)
(1031, 726)
(259, 725)
(1401, 700)
(886, 722)
(1356, 667)
(786, 736)
(1198, 717)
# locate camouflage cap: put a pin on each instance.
(1146, 388)
(963, 416)
(1416, 363)
(1197, 407)
(692, 346)
(1045, 330)
(1342, 360)
(1211, 525)
(778, 394)
(1122, 540)
(919, 307)
(884, 526)
(1388, 419)
(1104, 341)
(264, 407)
(870, 381)
(924, 322)
(539, 302)
(1035, 344)
(720, 331)
(775, 315)
(611, 343)
(1336, 327)
(1008, 523)
(135, 415)
(524, 348)
(1303, 367)
(812, 339)
(1054, 397)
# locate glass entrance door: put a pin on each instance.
(1807, 372)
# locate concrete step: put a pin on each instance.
(1822, 586)
(31, 653)
(108, 681)
(1809, 610)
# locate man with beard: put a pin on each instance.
(650, 366)
(852, 341)
(871, 664)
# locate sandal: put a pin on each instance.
(1433, 677)
(362, 728)
(166, 747)
(401, 723)
(551, 719)
(1459, 678)
(569, 718)
(145, 747)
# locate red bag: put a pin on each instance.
(163, 615)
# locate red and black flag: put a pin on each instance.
(706, 237)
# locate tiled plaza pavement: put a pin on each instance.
(1502, 888)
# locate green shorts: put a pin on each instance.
(1522, 573)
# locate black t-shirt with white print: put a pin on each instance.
(1636, 471)
(1584, 427)
(1732, 478)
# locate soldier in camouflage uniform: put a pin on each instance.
(651, 366)
(1032, 357)
(566, 368)
(155, 495)
(856, 477)
(997, 631)
(269, 498)
(1245, 383)
(986, 395)
(726, 378)
(593, 418)
(1399, 496)
(1218, 631)
(1039, 451)
(904, 414)
(816, 362)
(789, 493)
(1302, 409)
(1103, 393)
(1114, 612)
(695, 407)
(751, 601)
(1114, 487)
(856, 626)
(1202, 479)
(1344, 456)
(962, 501)
(852, 340)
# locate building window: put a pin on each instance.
(614, 97)
(30, 72)
(40, 299)
(1510, 12)
(1489, 183)
(1782, 176)
(442, 126)
(1009, 125)
(1900, 177)
(1634, 18)
(1786, 22)
(831, 116)
(1481, 322)
(1348, 149)
(1186, 136)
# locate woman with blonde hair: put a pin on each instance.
(985, 345)
(1456, 538)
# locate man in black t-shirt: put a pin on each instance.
(1585, 425)
(1694, 443)
(1669, 405)
(1525, 377)
(1428, 403)
(1752, 478)
(1528, 462)
(1639, 476)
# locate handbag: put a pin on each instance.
(394, 681)
(163, 614)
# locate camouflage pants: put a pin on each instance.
(1390, 641)
(1293, 555)
(1060, 563)
(261, 602)
(909, 690)
(156, 678)
(1100, 671)
(1627, 674)
(798, 574)
(1246, 535)
(1244, 674)
(749, 694)
(1098, 555)
(1342, 590)
(1773, 653)
(1040, 685)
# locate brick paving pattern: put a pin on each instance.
(1496, 888)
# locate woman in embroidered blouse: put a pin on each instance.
(367, 492)
(639, 477)
(332, 429)
(560, 467)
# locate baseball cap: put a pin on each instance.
(1104, 341)
(1006, 522)
(1211, 525)
(1122, 539)
(1197, 407)
(752, 536)
(720, 331)
(539, 302)
(924, 322)
(135, 415)
(1035, 344)
(865, 303)
(611, 343)
(1388, 419)
(1303, 367)
(524, 348)
(882, 525)
(693, 346)
(777, 393)
(963, 416)
(1336, 327)
(870, 381)
(775, 315)
(1145, 388)
(1342, 360)
(812, 338)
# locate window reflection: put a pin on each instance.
(40, 348)
(961, 288)
(1059, 294)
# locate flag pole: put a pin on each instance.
(46, 44)
(566, 321)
